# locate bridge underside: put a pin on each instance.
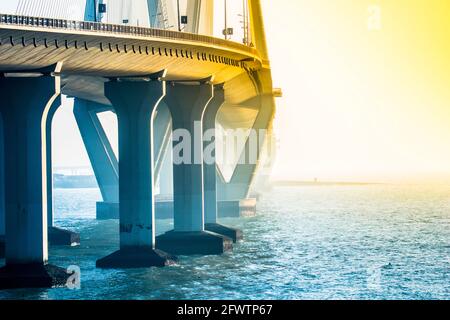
(210, 82)
(88, 60)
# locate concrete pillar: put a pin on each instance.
(209, 168)
(135, 103)
(56, 236)
(101, 155)
(24, 108)
(2, 193)
(187, 103)
(104, 161)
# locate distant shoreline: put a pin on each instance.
(322, 183)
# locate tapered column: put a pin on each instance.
(209, 167)
(187, 104)
(2, 193)
(101, 155)
(135, 103)
(24, 107)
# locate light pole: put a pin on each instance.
(226, 22)
(178, 10)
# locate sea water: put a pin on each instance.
(306, 242)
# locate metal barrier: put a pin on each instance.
(119, 29)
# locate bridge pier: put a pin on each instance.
(2, 193)
(24, 108)
(135, 103)
(209, 169)
(187, 103)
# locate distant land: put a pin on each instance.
(61, 181)
(68, 181)
(322, 183)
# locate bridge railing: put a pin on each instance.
(98, 27)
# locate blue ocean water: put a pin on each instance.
(307, 242)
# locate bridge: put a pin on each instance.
(156, 81)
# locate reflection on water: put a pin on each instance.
(308, 242)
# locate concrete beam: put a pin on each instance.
(238, 187)
(24, 107)
(98, 147)
(135, 104)
(162, 124)
(209, 168)
(187, 103)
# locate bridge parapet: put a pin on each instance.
(106, 28)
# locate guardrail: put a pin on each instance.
(119, 29)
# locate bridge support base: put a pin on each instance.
(237, 208)
(187, 104)
(138, 257)
(32, 276)
(232, 233)
(61, 237)
(194, 243)
(164, 209)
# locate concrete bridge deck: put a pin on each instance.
(93, 51)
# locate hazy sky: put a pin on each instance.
(361, 104)
(9, 6)
(358, 104)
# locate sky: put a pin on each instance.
(365, 88)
